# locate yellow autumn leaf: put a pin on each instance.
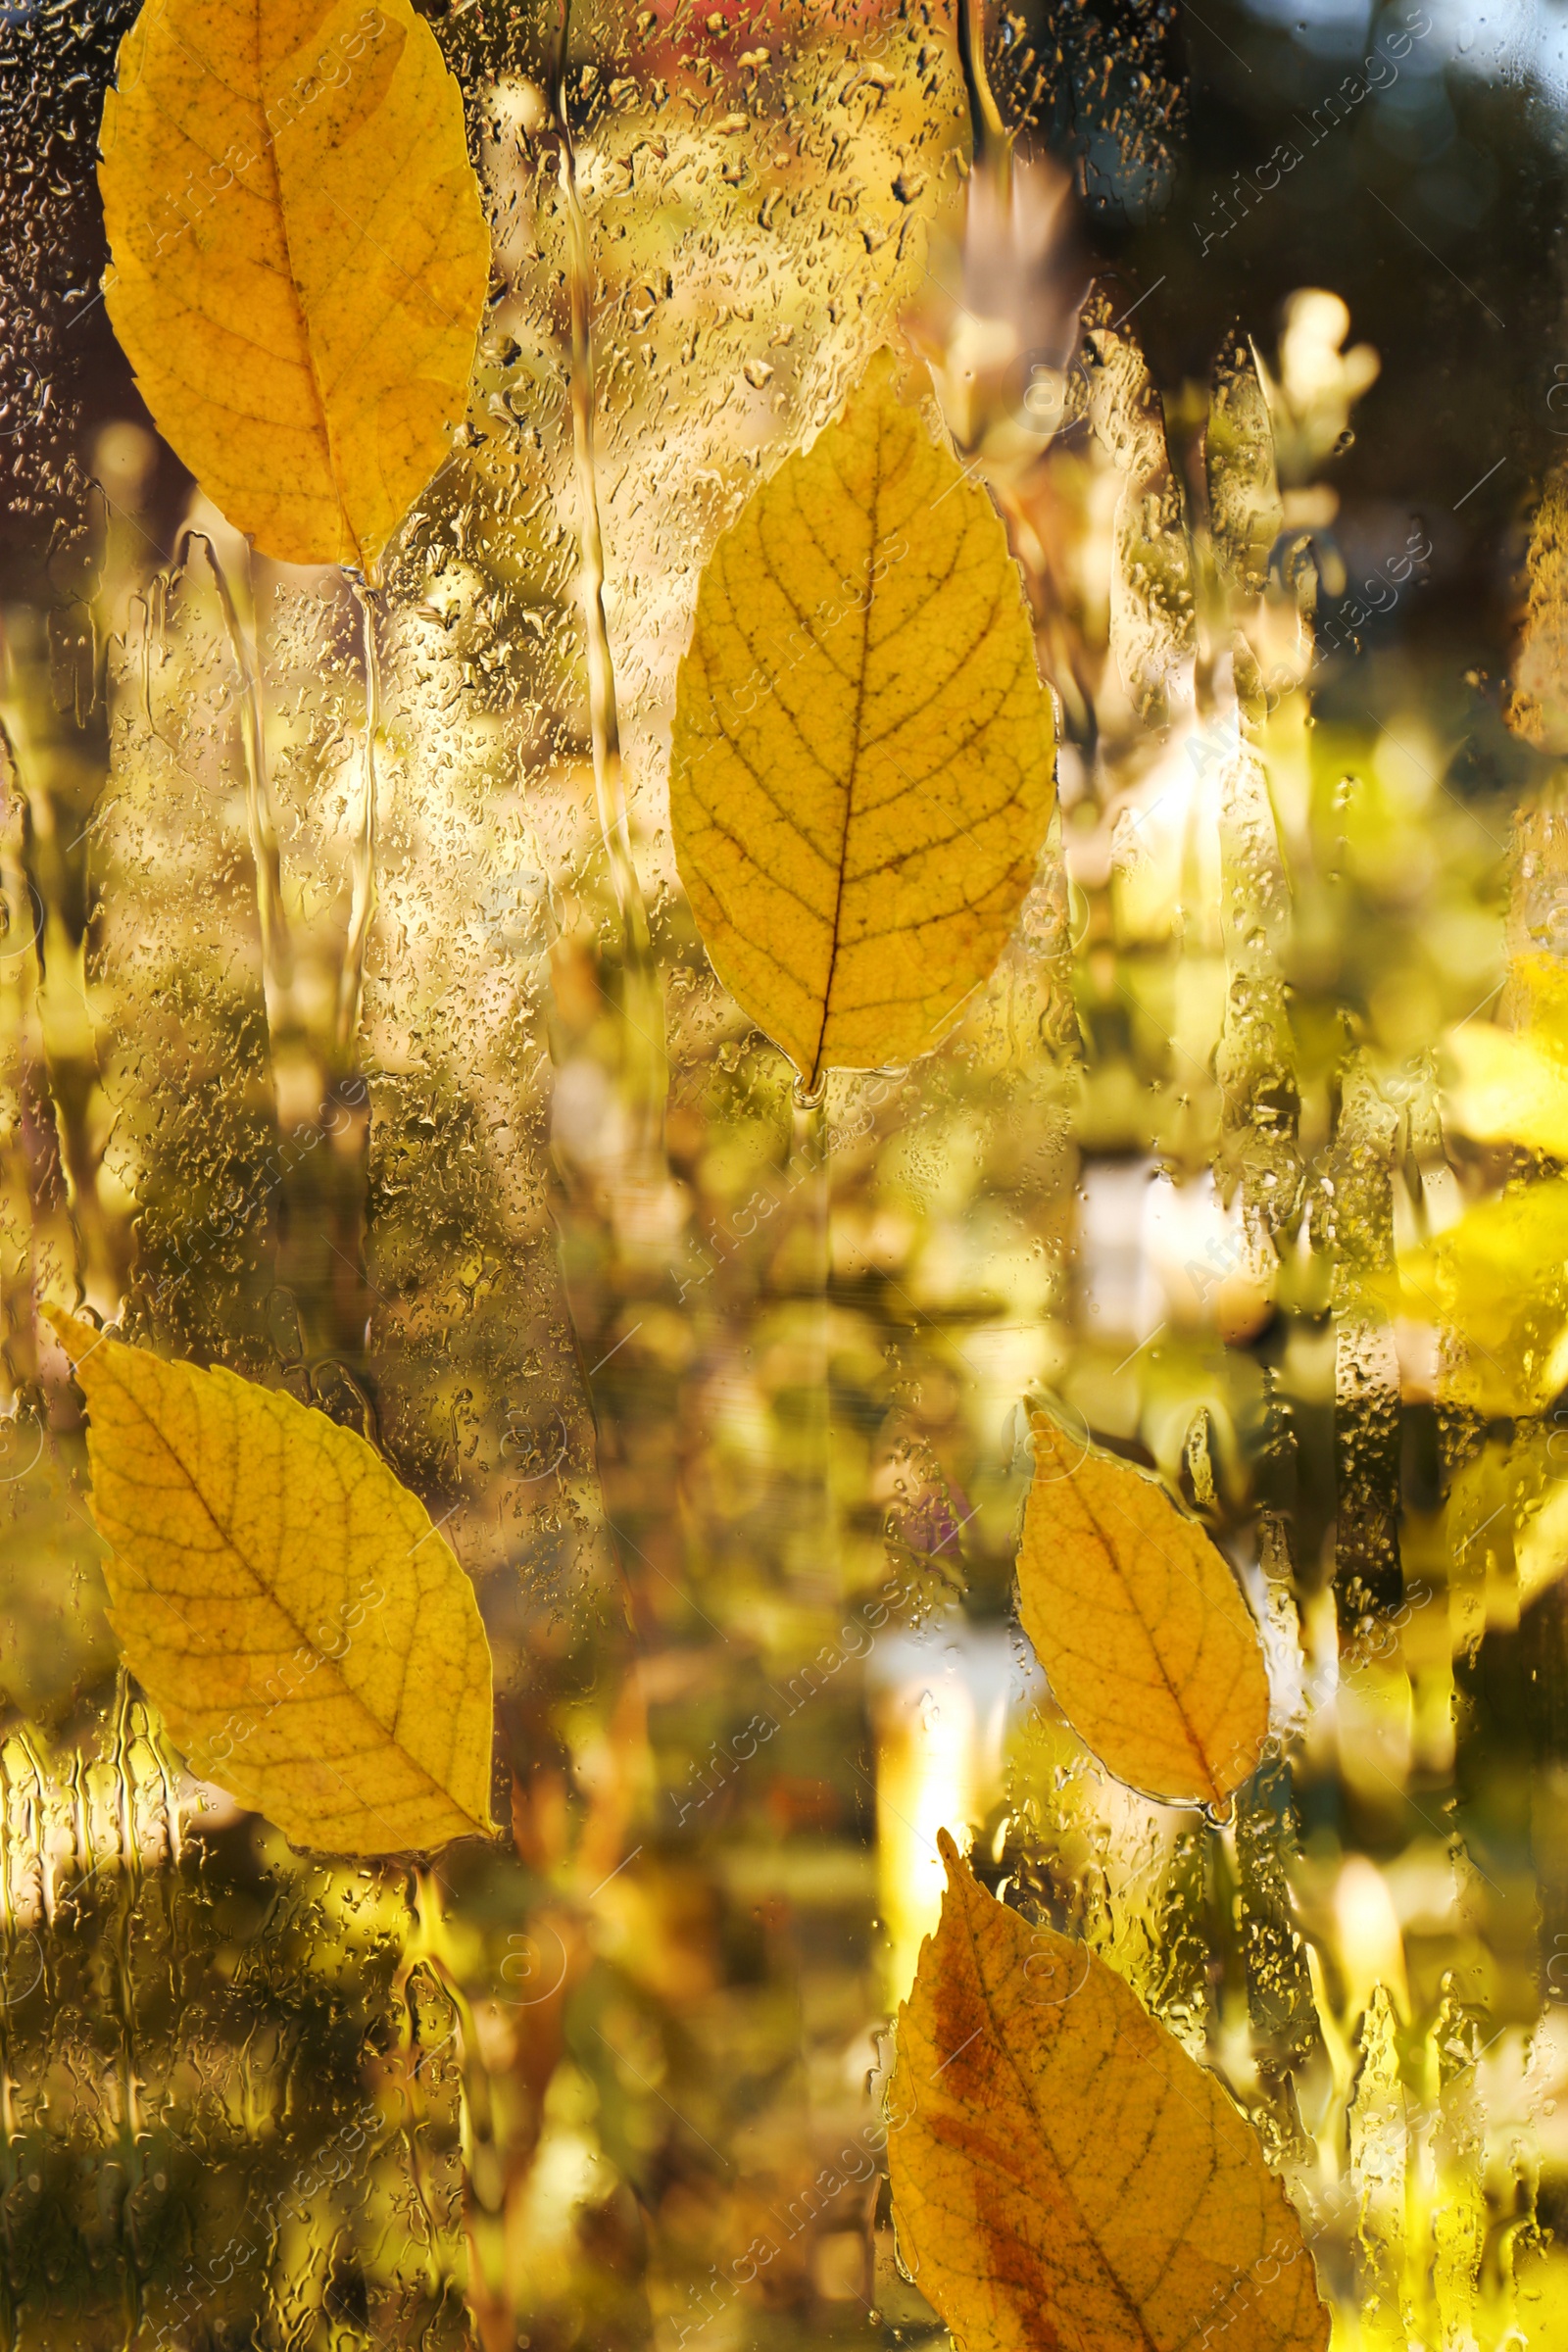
(864, 758)
(299, 259)
(1150, 1648)
(1063, 2174)
(310, 1637)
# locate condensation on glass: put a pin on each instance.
(543, 1229)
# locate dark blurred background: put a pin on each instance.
(1429, 193)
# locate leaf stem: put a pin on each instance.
(991, 139)
(481, 2149)
(260, 817)
(60, 1157)
(811, 1153)
(641, 1023)
(351, 980)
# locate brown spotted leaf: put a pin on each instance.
(1065, 2179)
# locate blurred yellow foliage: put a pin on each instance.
(1538, 710)
(1511, 1089)
(1499, 1281)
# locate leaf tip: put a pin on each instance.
(76, 1336)
(895, 377)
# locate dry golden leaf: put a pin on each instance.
(308, 1635)
(1150, 1650)
(864, 760)
(299, 259)
(1063, 2174)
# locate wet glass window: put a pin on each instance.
(783, 1175)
